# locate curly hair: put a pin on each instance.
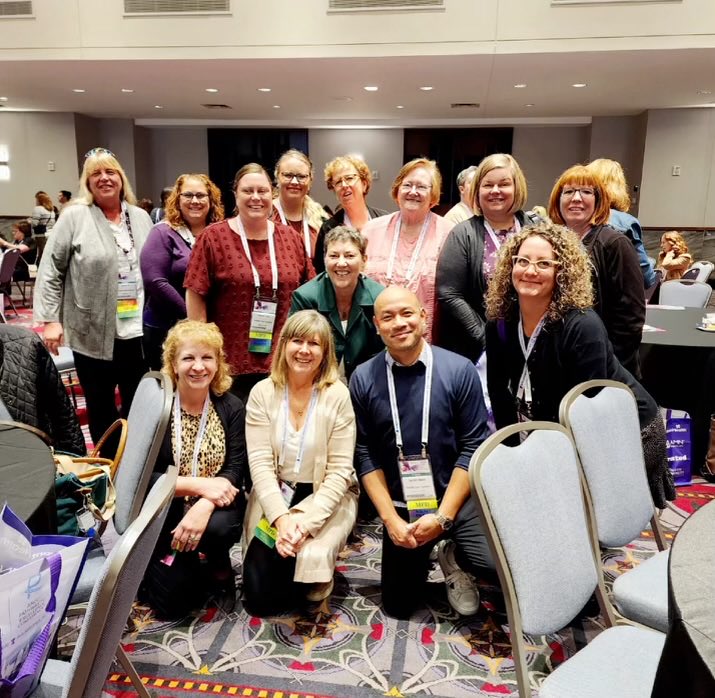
(342, 162)
(676, 240)
(573, 288)
(172, 210)
(204, 333)
(613, 179)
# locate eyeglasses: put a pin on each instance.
(585, 192)
(98, 151)
(290, 176)
(191, 195)
(538, 264)
(409, 186)
(346, 181)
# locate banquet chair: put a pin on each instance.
(690, 294)
(621, 502)
(531, 501)
(109, 606)
(7, 268)
(650, 291)
(147, 423)
(690, 274)
(703, 270)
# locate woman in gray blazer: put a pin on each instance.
(89, 288)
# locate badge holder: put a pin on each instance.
(127, 296)
(417, 485)
(266, 533)
(263, 320)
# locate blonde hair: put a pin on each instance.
(205, 333)
(431, 167)
(572, 283)
(98, 159)
(613, 179)
(495, 162)
(680, 247)
(172, 210)
(344, 161)
(580, 176)
(312, 210)
(306, 324)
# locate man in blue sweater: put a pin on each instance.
(420, 416)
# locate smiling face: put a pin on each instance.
(304, 355)
(577, 204)
(343, 264)
(401, 322)
(414, 195)
(348, 186)
(105, 184)
(496, 193)
(530, 282)
(195, 366)
(293, 179)
(253, 197)
(194, 209)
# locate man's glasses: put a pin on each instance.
(409, 186)
(98, 151)
(539, 264)
(290, 176)
(585, 192)
(191, 195)
(347, 181)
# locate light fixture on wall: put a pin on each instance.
(4, 165)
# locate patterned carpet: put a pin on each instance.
(350, 648)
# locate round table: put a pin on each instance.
(27, 477)
(687, 665)
(678, 369)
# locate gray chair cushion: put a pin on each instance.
(540, 476)
(642, 593)
(621, 661)
(614, 466)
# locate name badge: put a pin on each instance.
(417, 486)
(264, 531)
(260, 331)
(127, 296)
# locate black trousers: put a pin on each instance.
(152, 341)
(100, 378)
(404, 570)
(268, 586)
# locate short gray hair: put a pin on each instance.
(342, 233)
(465, 174)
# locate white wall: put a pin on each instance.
(544, 152)
(382, 149)
(175, 151)
(684, 137)
(33, 140)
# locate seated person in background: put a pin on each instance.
(300, 431)
(345, 298)
(206, 440)
(543, 338)
(26, 245)
(32, 390)
(674, 258)
(420, 416)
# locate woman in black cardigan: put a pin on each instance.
(206, 440)
(470, 251)
(543, 339)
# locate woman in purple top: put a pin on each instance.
(194, 203)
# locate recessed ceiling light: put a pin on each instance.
(520, 85)
(264, 89)
(3, 99)
(276, 106)
(211, 89)
(78, 90)
(426, 88)
(700, 92)
(528, 105)
(158, 106)
(126, 90)
(371, 88)
(399, 106)
(579, 84)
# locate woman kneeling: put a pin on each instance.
(300, 431)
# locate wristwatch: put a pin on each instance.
(444, 521)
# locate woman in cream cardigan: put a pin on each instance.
(300, 434)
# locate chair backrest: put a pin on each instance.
(650, 291)
(690, 294)
(112, 597)
(607, 435)
(7, 266)
(531, 499)
(691, 274)
(147, 423)
(704, 269)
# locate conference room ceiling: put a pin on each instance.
(330, 91)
